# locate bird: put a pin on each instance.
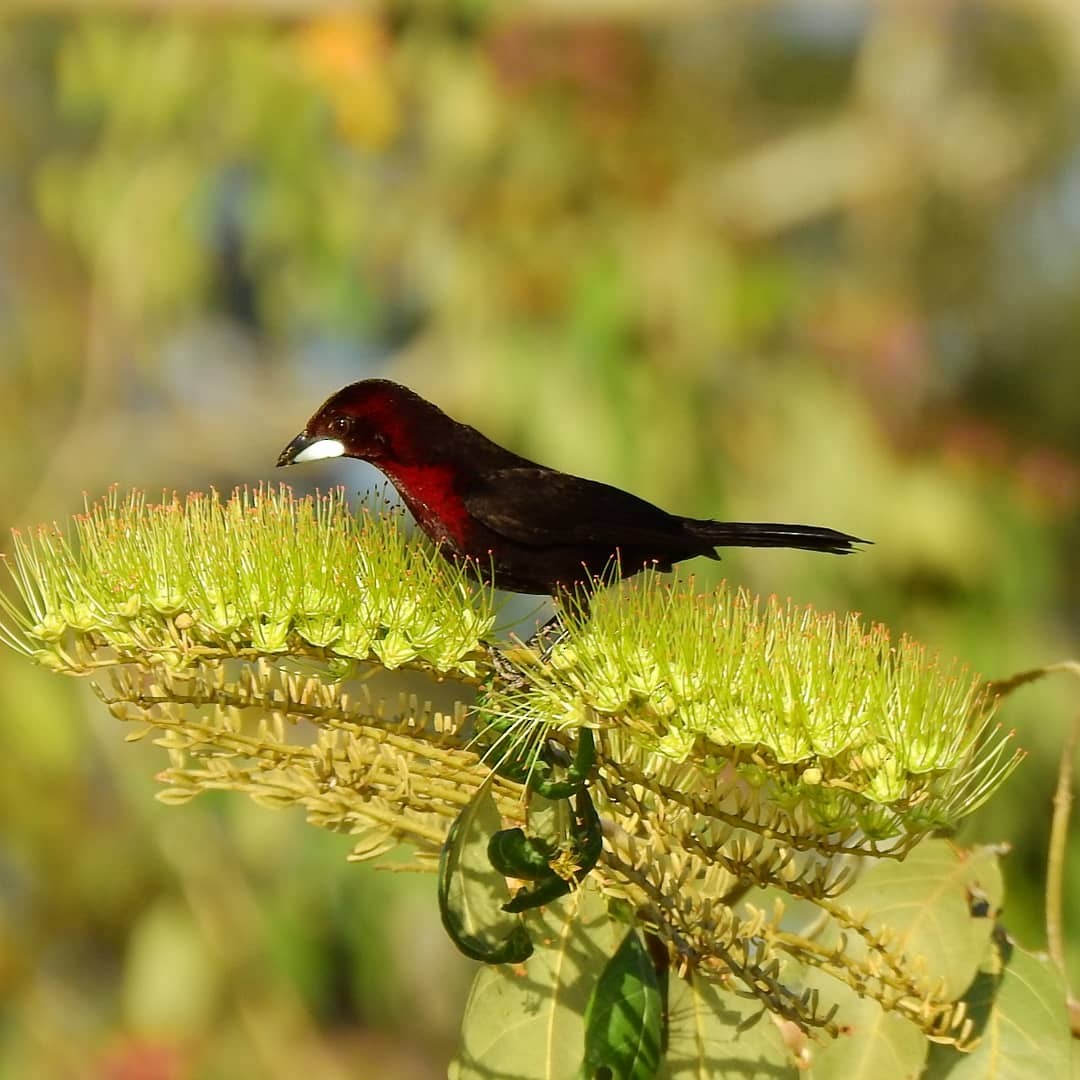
(515, 524)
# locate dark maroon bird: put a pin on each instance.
(522, 526)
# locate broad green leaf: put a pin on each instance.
(1018, 1005)
(472, 892)
(549, 818)
(874, 1044)
(624, 1023)
(713, 1033)
(528, 1022)
(940, 904)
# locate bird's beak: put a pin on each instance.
(308, 448)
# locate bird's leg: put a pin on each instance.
(546, 635)
(539, 643)
(571, 607)
(551, 869)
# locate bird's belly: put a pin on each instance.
(548, 570)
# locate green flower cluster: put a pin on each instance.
(739, 742)
(812, 722)
(259, 573)
(816, 712)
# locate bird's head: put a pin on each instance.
(373, 420)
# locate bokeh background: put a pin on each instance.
(778, 261)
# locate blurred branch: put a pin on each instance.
(1007, 686)
(1059, 825)
(1055, 871)
(837, 164)
(859, 159)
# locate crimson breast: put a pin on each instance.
(429, 493)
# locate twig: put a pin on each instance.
(1059, 833)
(1001, 687)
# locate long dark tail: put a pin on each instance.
(758, 534)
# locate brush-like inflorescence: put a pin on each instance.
(260, 573)
(221, 624)
(829, 724)
(740, 743)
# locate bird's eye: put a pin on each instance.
(340, 425)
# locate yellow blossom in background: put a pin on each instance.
(349, 61)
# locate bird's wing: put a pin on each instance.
(542, 507)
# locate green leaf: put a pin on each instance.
(939, 902)
(472, 892)
(1017, 1002)
(624, 1021)
(714, 1033)
(873, 1045)
(549, 818)
(530, 1023)
(937, 905)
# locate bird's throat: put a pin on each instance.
(429, 491)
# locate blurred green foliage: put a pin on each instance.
(765, 261)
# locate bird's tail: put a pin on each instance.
(758, 534)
